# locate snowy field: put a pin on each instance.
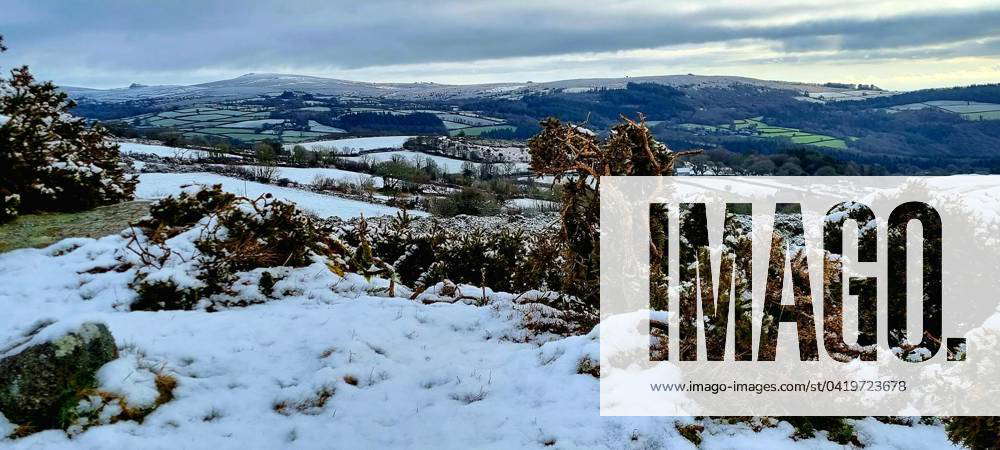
(531, 203)
(255, 123)
(307, 175)
(316, 126)
(449, 165)
(159, 185)
(333, 363)
(354, 145)
(161, 150)
(328, 365)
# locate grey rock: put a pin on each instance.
(43, 381)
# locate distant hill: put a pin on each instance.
(255, 84)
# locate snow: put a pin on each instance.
(529, 203)
(6, 428)
(3, 119)
(125, 377)
(255, 123)
(336, 362)
(316, 126)
(308, 175)
(161, 150)
(449, 165)
(354, 145)
(331, 365)
(159, 185)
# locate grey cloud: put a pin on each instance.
(97, 39)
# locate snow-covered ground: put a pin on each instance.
(259, 123)
(330, 365)
(449, 165)
(532, 203)
(308, 175)
(161, 150)
(334, 363)
(159, 185)
(316, 126)
(354, 145)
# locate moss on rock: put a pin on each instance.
(38, 384)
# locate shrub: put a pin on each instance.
(49, 160)
(236, 235)
(266, 174)
(364, 186)
(974, 432)
(837, 428)
(470, 201)
(422, 253)
(187, 208)
(577, 155)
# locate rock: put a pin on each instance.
(39, 383)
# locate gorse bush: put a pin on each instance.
(577, 156)
(187, 208)
(974, 432)
(234, 235)
(420, 255)
(50, 160)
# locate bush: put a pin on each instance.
(837, 428)
(266, 174)
(575, 154)
(49, 160)
(187, 208)
(234, 235)
(364, 186)
(974, 432)
(470, 201)
(420, 255)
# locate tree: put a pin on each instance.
(826, 171)
(263, 152)
(299, 154)
(50, 160)
(469, 169)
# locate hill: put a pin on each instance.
(255, 84)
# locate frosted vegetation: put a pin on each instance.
(247, 314)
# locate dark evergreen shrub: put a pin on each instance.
(974, 432)
(50, 160)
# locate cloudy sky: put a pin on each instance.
(894, 44)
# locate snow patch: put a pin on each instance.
(159, 185)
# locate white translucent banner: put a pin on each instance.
(800, 296)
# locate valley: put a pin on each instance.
(885, 131)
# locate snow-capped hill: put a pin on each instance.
(255, 84)
(133, 92)
(278, 81)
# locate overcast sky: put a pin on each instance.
(894, 44)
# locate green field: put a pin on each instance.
(968, 110)
(212, 121)
(40, 230)
(476, 131)
(984, 115)
(761, 129)
(217, 121)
